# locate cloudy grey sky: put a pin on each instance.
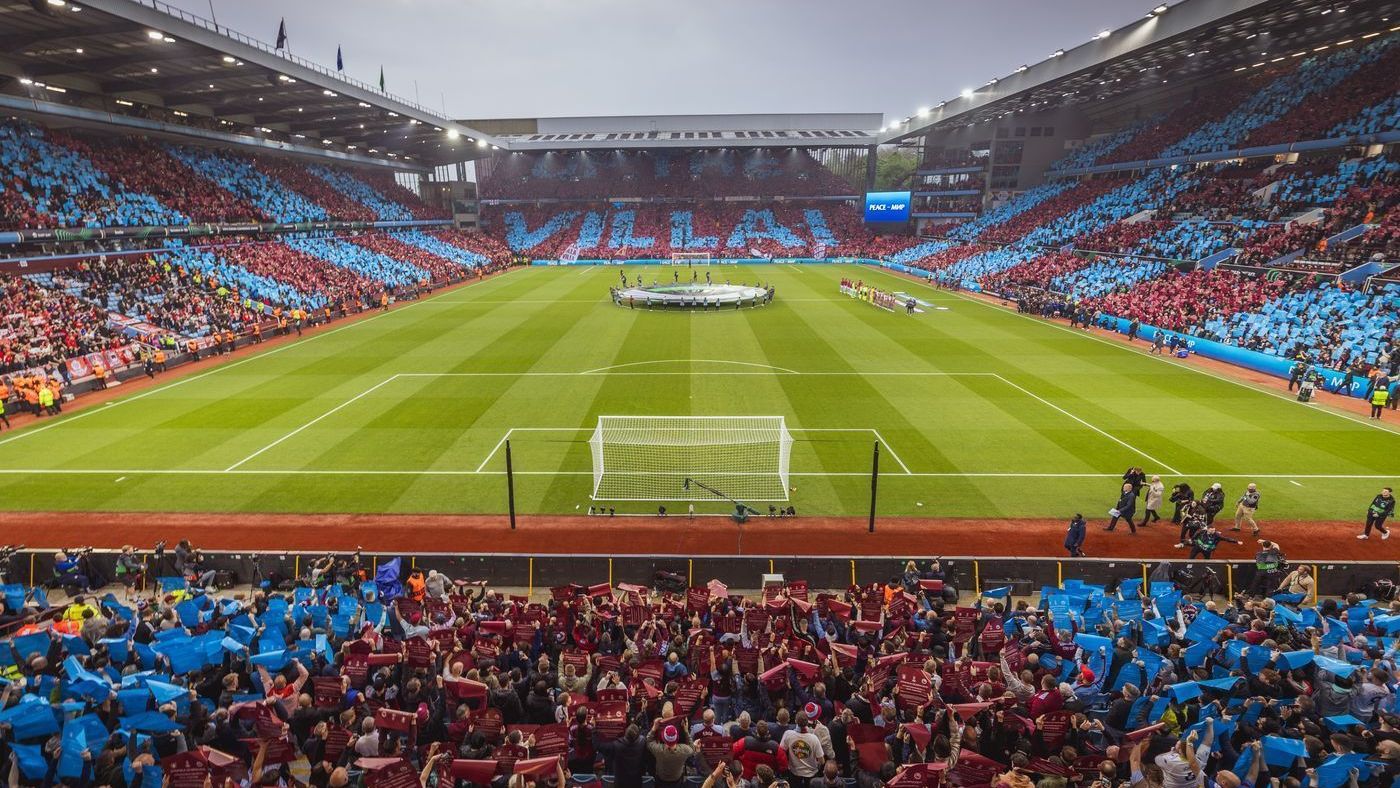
(540, 58)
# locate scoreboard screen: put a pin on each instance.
(887, 206)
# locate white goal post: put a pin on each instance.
(690, 258)
(675, 458)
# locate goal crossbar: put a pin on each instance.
(656, 458)
(690, 258)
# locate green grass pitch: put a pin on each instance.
(982, 413)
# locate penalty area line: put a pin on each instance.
(1113, 438)
(296, 431)
(495, 449)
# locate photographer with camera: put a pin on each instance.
(70, 570)
(189, 564)
(131, 569)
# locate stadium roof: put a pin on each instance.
(1189, 40)
(149, 60)
(811, 130)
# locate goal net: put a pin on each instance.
(668, 458)
(690, 258)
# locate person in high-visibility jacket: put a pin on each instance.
(1379, 398)
(3, 418)
(55, 389)
(45, 399)
(99, 375)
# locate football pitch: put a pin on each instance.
(979, 412)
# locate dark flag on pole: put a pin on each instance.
(339, 62)
(282, 34)
(381, 79)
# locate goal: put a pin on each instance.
(675, 458)
(690, 258)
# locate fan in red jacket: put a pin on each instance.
(758, 750)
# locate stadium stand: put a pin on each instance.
(1313, 76)
(1185, 302)
(783, 230)
(587, 175)
(363, 670)
(320, 281)
(239, 176)
(1329, 325)
(59, 188)
(44, 324)
(361, 259)
(186, 296)
(143, 167)
(342, 671)
(438, 268)
(333, 201)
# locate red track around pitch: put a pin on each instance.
(579, 535)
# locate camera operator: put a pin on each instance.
(189, 564)
(7, 561)
(70, 570)
(131, 569)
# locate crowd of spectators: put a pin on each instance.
(1313, 77)
(490, 248)
(238, 175)
(1359, 204)
(1205, 104)
(1092, 150)
(1044, 212)
(385, 184)
(1196, 239)
(1325, 185)
(1107, 275)
(1321, 115)
(383, 208)
(940, 261)
(49, 185)
(971, 269)
(41, 326)
(361, 260)
(348, 676)
(322, 282)
(1332, 324)
(1120, 237)
(1116, 200)
(191, 301)
(1011, 208)
(1225, 192)
(459, 253)
(243, 283)
(1379, 117)
(60, 179)
(1186, 302)
(139, 165)
(592, 175)
(437, 267)
(331, 200)
(789, 229)
(1039, 271)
